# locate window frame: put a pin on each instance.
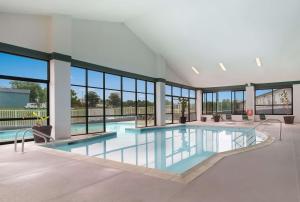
(272, 100)
(189, 98)
(121, 90)
(215, 100)
(33, 80)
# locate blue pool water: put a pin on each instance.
(8, 135)
(172, 149)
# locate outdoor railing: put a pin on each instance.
(21, 113)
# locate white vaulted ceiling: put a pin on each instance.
(201, 34)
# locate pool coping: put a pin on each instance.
(185, 178)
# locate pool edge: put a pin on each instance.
(186, 177)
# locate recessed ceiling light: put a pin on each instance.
(195, 70)
(222, 66)
(258, 62)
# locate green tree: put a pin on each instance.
(93, 99)
(129, 103)
(75, 101)
(114, 100)
(37, 93)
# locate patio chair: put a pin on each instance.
(246, 119)
(229, 119)
(262, 117)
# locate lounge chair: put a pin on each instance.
(262, 117)
(229, 119)
(246, 119)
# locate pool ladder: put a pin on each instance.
(34, 132)
(271, 120)
(262, 122)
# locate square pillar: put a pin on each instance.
(160, 104)
(60, 105)
(250, 99)
(199, 104)
(296, 101)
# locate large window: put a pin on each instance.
(223, 102)
(173, 107)
(23, 92)
(99, 99)
(274, 101)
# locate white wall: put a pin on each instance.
(173, 76)
(103, 43)
(27, 31)
(112, 45)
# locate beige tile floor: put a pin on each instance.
(269, 174)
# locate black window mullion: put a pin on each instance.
(48, 105)
(121, 92)
(155, 104)
(104, 107)
(231, 101)
(205, 103)
(15, 78)
(189, 110)
(86, 102)
(146, 104)
(272, 101)
(244, 102)
(172, 100)
(136, 100)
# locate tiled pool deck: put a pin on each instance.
(267, 174)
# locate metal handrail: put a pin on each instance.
(36, 132)
(280, 133)
(23, 139)
(259, 124)
(17, 135)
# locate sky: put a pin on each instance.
(13, 65)
(18, 66)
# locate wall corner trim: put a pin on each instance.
(61, 57)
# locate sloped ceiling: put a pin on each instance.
(201, 34)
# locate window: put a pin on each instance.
(274, 101)
(23, 91)
(238, 102)
(98, 99)
(86, 101)
(225, 102)
(173, 107)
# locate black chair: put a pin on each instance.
(262, 117)
(245, 117)
(228, 117)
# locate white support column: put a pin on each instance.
(296, 101)
(250, 97)
(60, 105)
(199, 104)
(160, 104)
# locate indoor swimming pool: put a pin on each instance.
(173, 149)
